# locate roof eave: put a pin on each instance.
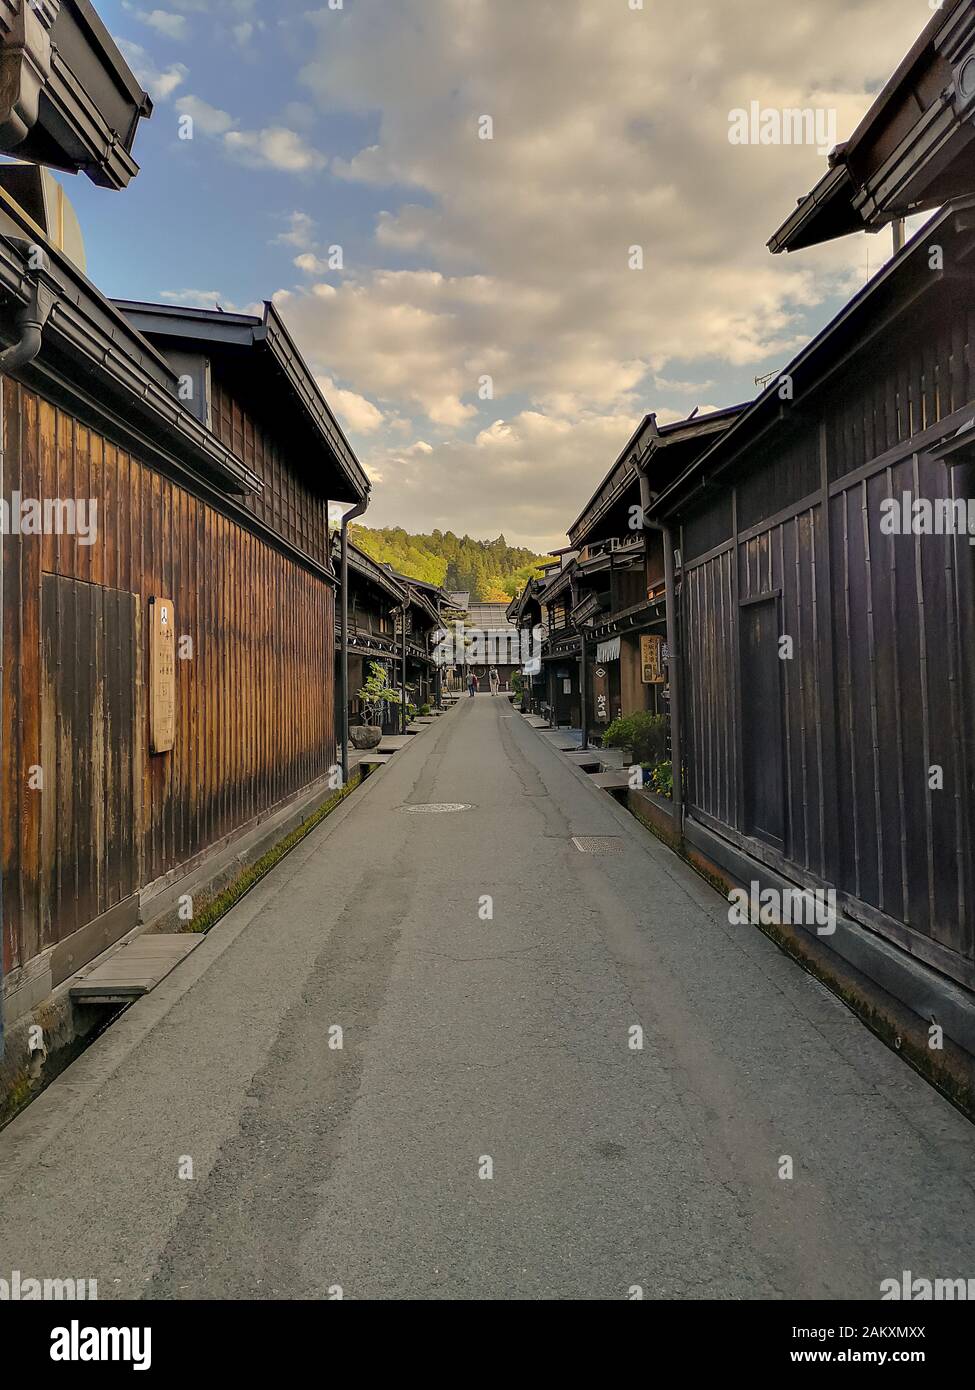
(70, 99)
(737, 436)
(283, 347)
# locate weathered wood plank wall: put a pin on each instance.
(254, 718)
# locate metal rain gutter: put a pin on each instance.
(32, 319)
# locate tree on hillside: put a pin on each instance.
(491, 571)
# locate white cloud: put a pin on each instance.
(160, 83)
(300, 233)
(172, 26)
(311, 264)
(210, 119)
(505, 479)
(610, 131)
(356, 414)
(196, 299)
(276, 147)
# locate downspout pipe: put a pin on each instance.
(31, 321)
(402, 677)
(675, 656)
(584, 687)
(351, 515)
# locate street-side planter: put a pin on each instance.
(656, 813)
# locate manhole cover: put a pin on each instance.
(598, 844)
(436, 808)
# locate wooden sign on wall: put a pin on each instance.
(162, 675)
(652, 660)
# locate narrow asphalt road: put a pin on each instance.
(486, 977)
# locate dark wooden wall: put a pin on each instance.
(254, 719)
(881, 686)
(903, 702)
(287, 504)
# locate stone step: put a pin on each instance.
(133, 969)
(612, 781)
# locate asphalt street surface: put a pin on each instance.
(487, 1128)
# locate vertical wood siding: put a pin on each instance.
(905, 848)
(287, 505)
(89, 753)
(709, 655)
(784, 558)
(906, 383)
(881, 687)
(254, 717)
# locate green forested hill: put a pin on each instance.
(491, 570)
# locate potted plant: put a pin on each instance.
(640, 737)
(374, 695)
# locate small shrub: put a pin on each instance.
(644, 733)
(662, 780)
(377, 693)
(424, 710)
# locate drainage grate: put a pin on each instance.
(598, 844)
(437, 808)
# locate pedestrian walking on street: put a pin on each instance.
(471, 684)
(495, 680)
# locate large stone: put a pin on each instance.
(365, 736)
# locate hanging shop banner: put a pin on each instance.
(600, 694)
(608, 650)
(652, 660)
(162, 675)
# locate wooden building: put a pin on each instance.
(827, 600)
(426, 615)
(168, 588)
(618, 584)
(527, 614)
(393, 621)
(497, 644)
(376, 602)
(561, 657)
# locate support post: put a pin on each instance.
(357, 510)
(674, 657)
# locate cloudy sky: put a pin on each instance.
(360, 127)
